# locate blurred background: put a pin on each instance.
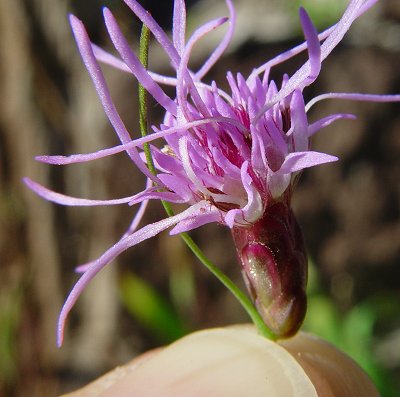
(157, 292)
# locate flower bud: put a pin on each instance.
(274, 267)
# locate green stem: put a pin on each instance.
(232, 287)
(144, 59)
(222, 277)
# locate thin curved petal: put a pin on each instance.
(81, 158)
(85, 49)
(157, 31)
(63, 199)
(300, 78)
(139, 213)
(134, 64)
(297, 161)
(254, 208)
(202, 217)
(154, 195)
(326, 121)
(300, 133)
(122, 245)
(353, 97)
(217, 53)
(179, 26)
(313, 46)
(109, 59)
(184, 79)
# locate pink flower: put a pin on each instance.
(232, 157)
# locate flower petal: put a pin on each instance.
(134, 64)
(86, 51)
(63, 199)
(299, 122)
(297, 161)
(156, 29)
(150, 194)
(122, 245)
(203, 216)
(313, 46)
(217, 53)
(326, 121)
(179, 26)
(353, 97)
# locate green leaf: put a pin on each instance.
(322, 319)
(150, 309)
(322, 12)
(11, 306)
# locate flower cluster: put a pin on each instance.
(232, 157)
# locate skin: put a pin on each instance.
(236, 361)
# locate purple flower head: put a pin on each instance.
(232, 157)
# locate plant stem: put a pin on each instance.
(144, 59)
